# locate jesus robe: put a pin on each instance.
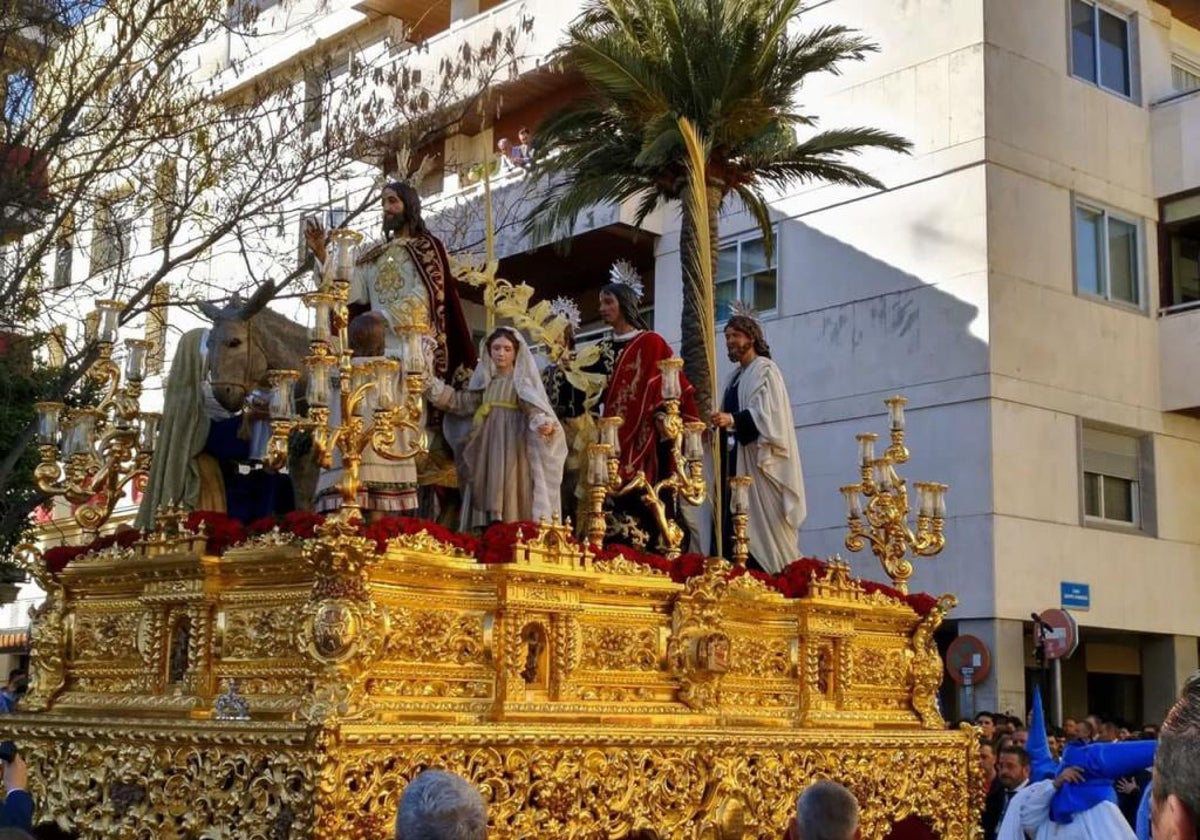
(762, 444)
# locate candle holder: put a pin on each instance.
(598, 482)
(342, 254)
(90, 455)
(381, 403)
(685, 477)
(877, 508)
(739, 508)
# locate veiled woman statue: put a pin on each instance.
(512, 462)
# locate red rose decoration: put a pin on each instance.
(922, 603)
(58, 557)
(498, 541)
(223, 530)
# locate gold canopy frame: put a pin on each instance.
(585, 697)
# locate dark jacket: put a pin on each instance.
(17, 811)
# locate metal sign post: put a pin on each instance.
(1057, 635)
(968, 691)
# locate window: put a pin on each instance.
(18, 98)
(1101, 50)
(56, 346)
(156, 327)
(1181, 272)
(165, 200)
(313, 104)
(64, 249)
(1112, 469)
(1107, 255)
(744, 274)
(1185, 76)
(111, 238)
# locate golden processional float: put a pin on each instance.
(288, 686)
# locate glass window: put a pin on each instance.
(112, 237)
(1107, 256)
(314, 110)
(1088, 251)
(1111, 476)
(1083, 45)
(1122, 261)
(1114, 53)
(1101, 51)
(744, 274)
(63, 252)
(1185, 266)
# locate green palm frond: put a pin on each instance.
(732, 68)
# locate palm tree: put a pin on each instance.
(732, 68)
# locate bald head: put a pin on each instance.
(826, 811)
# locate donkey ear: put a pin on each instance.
(211, 310)
(261, 297)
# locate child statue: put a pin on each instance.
(511, 465)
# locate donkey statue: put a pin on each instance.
(212, 375)
(246, 340)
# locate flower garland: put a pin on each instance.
(495, 545)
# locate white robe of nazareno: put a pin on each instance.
(777, 507)
(1028, 818)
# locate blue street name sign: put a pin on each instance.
(1075, 596)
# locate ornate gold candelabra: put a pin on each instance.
(887, 512)
(90, 454)
(685, 476)
(395, 430)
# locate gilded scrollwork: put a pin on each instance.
(882, 667)
(698, 650)
(259, 633)
(586, 704)
(927, 664)
(768, 657)
(436, 636)
(119, 789)
(105, 636)
(607, 648)
(686, 790)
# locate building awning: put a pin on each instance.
(14, 640)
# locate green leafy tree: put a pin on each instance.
(733, 69)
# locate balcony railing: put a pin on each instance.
(1174, 127)
(1179, 351)
(457, 214)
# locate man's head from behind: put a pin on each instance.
(826, 811)
(1012, 766)
(437, 805)
(1176, 798)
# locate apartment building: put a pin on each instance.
(1028, 280)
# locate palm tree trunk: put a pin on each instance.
(692, 348)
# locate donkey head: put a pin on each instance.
(236, 360)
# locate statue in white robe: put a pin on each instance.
(756, 419)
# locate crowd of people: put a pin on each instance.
(1092, 778)
(519, 156)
